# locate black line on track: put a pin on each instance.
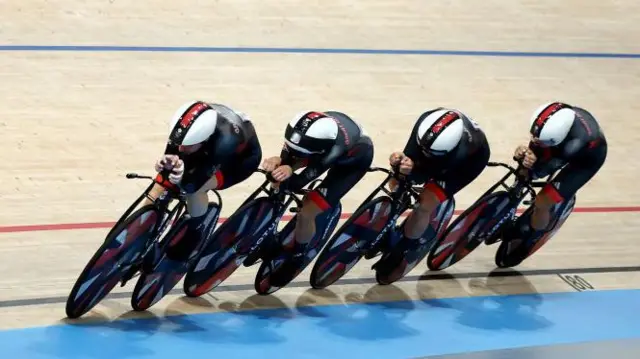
(303, 284)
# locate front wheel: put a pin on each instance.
(346, 247)
(472, 227)
(122, 247)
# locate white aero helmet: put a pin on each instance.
(440, 132)
(310, 133)
(551, 123)
(193, 123)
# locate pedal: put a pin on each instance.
(377, 250)
(130, 274)
(493, 240)
(252, 258)
(371, 254)
(262, 252)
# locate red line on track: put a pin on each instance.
(96, 225)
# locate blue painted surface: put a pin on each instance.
(386, 330)
(282, 50)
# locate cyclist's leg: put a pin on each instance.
(339, 180)
(564, 186)
(436, 192)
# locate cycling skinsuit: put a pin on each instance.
(347, 162)
(448, 174)
(582, 153)
(232, 154)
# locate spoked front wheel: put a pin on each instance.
(479, 222)
(510, 254)
(121, 249)
(347, 246)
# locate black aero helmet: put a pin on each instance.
(310, 133)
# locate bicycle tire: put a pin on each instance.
(460, 238)
(202, 277)
(516, 256)
(91, 275)
(326, 270)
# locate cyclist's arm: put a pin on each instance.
(287, 160)
(316, 168)
(412, 150)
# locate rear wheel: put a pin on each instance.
(509, 255)
(346, 247)
(229, 246)
(471, 228)
(122, 247)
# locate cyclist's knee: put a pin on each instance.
(547, 197)
(309, 210)
(197, 203)
(430, 198)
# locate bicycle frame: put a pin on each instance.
(521, 186)
(161, 204)
(401, 197)
(281, 204)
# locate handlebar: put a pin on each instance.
(281, 192)
(137, 176)
(380, 169)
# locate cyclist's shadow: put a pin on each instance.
(253, 321)
(351, 316)
(96, 336)
(492, 305)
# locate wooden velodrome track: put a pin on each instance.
(75, 121)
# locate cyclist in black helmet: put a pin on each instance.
(319, 142)
(210, 146)
(564, 138)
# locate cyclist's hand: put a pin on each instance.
(176, 172)
(282, 173)
(271, 163)
(406, 165)
(529, 159)
(167, 162)
(393, 184)
(520, 152)
(395, 158)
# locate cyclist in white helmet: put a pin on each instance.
(446, 151)
(319, 142)
(565, 138)
(210, 146)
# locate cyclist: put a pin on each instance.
(446, 151)
(565, 138)
(318, 142)
(210, 146)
